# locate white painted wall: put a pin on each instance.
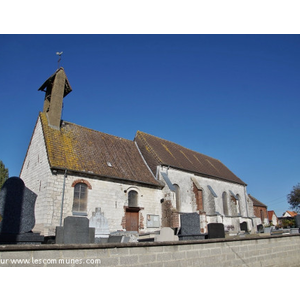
(36, 175)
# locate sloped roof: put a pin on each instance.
(292, 213)
(157, 151)
(270, 214)
(256, 202)
(80, 149)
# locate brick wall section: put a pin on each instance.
(279, 251)
(257, 213)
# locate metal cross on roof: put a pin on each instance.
(59, 54)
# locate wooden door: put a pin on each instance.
(132, 220)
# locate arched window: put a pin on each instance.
(225, 204)
(80, 198)
(262, 216)
(133, 199)
(177, 194)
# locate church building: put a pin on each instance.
(140, 185)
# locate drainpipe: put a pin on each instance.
(62, 199)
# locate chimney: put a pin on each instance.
(56, 87)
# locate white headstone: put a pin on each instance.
(166, 235)
(99, 222)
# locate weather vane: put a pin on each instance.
(59, 54)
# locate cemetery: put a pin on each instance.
(82, 241)
(17, 204)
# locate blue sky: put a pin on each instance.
(233, 97)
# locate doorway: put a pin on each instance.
(132, 219)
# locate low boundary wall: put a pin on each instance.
(270, 251)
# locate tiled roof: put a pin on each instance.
(80, 149)
(270, 214)
(256, 202)
(292, 213)
(157, 151)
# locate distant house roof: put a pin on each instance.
(271, 213)
(157, 151)
(291, 213)
(80, 149)
(256, 202)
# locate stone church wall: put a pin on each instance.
(110, 196)
(237, 210)
(36, 175)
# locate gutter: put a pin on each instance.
(111, 178)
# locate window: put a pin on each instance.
(133, 199)
(199, 200)
(177, 194)
(225, 203)
(262, 216)
(80, 198)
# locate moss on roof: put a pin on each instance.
(81, 149)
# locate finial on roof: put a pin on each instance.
(59, 54)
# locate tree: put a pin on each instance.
(3, 173)
(294, 198)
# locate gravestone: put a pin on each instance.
(294, 230)
(17, 217)
(244, 226)
(190, 227)
(260, 228)
(99, 222)
(76, 230)
(115, 239)
(297, 221)
(215, 231)
(166, 234)
(124, 237)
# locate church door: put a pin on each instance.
(132, 220)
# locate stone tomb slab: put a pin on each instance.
(166, 234)
(190, 227)
(260, 228)
(244, 226)
(115, 239)
(16, 207)
(215, 230)
(297, 221)
(17, 217)
(75, 231)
